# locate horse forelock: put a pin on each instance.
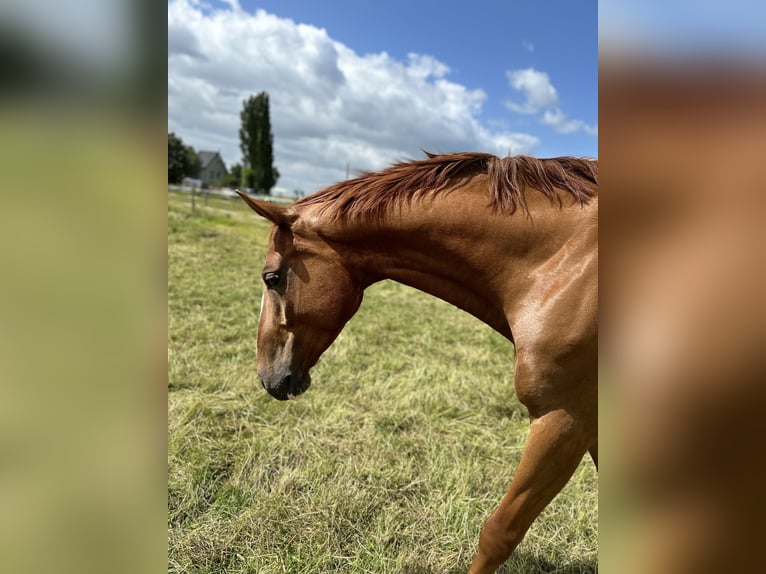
(373, 194)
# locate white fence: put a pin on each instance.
(203, 194)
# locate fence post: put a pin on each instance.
(194, 204)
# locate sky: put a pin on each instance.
(690, 28)
(360, 84)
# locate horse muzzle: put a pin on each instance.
(286, 387)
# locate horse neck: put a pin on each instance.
(457, 249)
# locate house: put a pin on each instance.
(212, 167)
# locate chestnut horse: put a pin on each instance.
(513, 241)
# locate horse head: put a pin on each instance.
(308, 296)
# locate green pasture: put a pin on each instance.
(405, 442)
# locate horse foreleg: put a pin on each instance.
(556, 444)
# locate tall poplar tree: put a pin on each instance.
(255, 141)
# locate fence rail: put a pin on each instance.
(197, 196)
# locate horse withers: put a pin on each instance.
(513, 241)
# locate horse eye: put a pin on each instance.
(271, 279)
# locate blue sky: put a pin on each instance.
(692, 28)
(479, 41)
(368, 83)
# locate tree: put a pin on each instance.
(255, 141)
(233, 179)
(235, 175)
(192, 163)
(176, 158)
(183, 161)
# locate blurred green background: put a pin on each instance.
(82, 296)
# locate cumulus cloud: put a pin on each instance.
(540, 96)
(329, 105)
(538, 91)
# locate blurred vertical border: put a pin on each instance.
(82, 295)
(682, 392)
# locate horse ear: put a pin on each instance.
(276, 214)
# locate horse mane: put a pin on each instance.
(372, 194)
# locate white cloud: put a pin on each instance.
(528, 46)
(538, 91)
(329, 105)
(540, 96)
(559, 121)
(234, 4)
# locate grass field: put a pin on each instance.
(390, 463)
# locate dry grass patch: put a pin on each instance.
(391, 462)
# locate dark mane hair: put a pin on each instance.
(371, 194)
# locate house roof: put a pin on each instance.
(205, 157)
